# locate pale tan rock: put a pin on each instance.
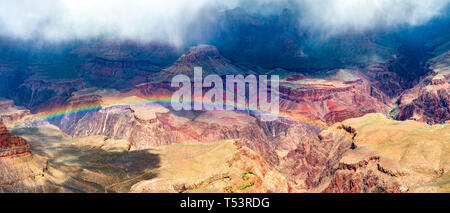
(216, 167)
(393, 156)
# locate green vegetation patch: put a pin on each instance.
(246, 178)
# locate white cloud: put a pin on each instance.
(169, 20)
(334, 16)
(84, 19)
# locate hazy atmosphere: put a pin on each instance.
(172, 20)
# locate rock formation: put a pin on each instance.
(11, 115)
(392, 156)
(11, 145)
(343, 94)
(350, 156)
(122, 65)
(5, 103)
(40, 95)
(101, 164)
(205, 56)
(429, 101)
(314, 161)
(224, 166)
(153, 125)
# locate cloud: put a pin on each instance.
(335, 16)
(85, 19)
(170, 20)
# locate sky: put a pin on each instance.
(170, 20)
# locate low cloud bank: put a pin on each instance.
(170, 20)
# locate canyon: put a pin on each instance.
(349, 156)
(358, 114)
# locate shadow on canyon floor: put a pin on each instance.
(101, 171)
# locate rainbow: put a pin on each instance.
(121, 101)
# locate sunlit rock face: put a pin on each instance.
(392, 156)
(11, 145)
(11, 115)
(342, 94)
(224, 166)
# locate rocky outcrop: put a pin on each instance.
(11, 115)
(205, 56)
(343, 94)
(366, 176)
(429, 101)
(391, 156)
(22, 174)
(11, 145)
(262, 137)
(122, 65)
(314, 161)
(389, 82)
(5, 104)
(62, 164)
(224, 166)
(40, 95)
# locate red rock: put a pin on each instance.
(362, 177)
(389, 82)
(315, 160)
(324, 101)
(11, 145)
(429, 100)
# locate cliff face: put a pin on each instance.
(205, 56)
(366, 154)
(10, 145)
(384, 78)
(153, 125)
(224, 166)
(122, 65)
(364, 176)
(11, 115)
(314, 161)
(40, 95)
(100, 164)
(429, 101)
(342, 94)
(392, 156)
